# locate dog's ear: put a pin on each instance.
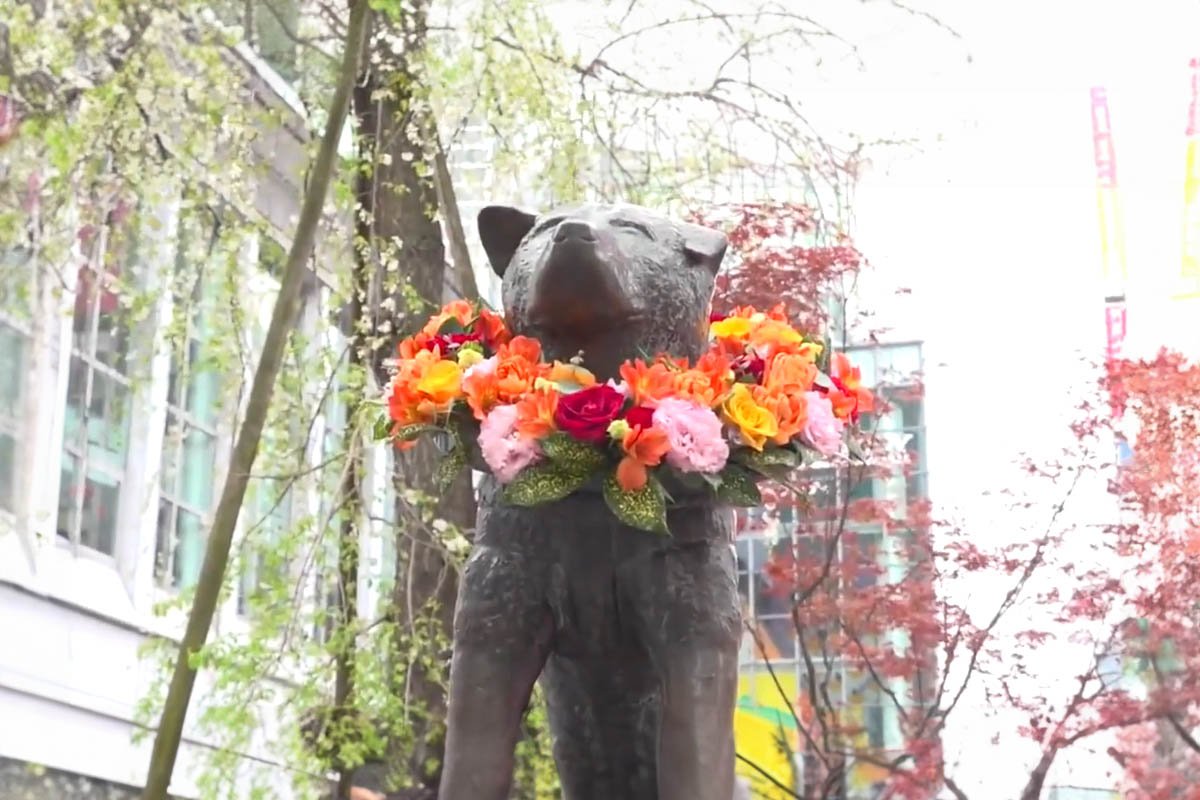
(501, 229)
(704, 246)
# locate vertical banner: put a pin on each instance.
(1190, 267)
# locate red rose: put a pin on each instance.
(750, 365)
(587, 414)
(450, 341)
(640, 417)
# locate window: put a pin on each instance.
(383, 572)
(260, 556)
(96, 428)
(898, 425)
(767, 604)
(13, 344)
(189, 447)
(270, 27)
(330, 516)
(14, 363)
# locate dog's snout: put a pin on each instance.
(574, 230)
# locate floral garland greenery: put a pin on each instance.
(761, 400)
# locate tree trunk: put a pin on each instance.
(348, 547)
(283, 320)
(397, 200)
(1037, 778)
(460, 254)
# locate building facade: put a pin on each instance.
(778, 657)
(112, 451)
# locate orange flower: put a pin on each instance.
(644, 447)
(728, 349)
(521, 347)
(647, 384)
(518, 366)
(414, 344)
(707, 382)
(424, 387)
(789, 373)
(460, 310)
(492, 329)
(514, 377)
(790, 412)
(773, 336)
(570, 373)
(481, 390)
(535, 413)
(844, 405)
(851, 379)
(698, 387)
(810, 350)
(778, 313)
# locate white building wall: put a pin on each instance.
(72, 620)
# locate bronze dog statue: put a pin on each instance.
(634, 636)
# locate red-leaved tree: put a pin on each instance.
(1159, 485)
(867, 621)
(782, 253)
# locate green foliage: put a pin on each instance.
(544, 483)
(772, 463)
(573, 455)
(738, 487)
(645, 509)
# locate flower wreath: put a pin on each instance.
(761, 400)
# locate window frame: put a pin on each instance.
(91, 365)
(11, 427)
(179, 421)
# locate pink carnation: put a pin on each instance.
(485, 367)
(695, 435)
(505, 450)
(822, 431)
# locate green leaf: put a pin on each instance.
(826, 352)
(645, 509)
(573, 454)
(544, 483)
(450, 326)
(450, 468)
(691, 481)
(410, 433)
(738, 487)
(773, 462)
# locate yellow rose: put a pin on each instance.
(731, 328)
(810, 350)
(469, 357)
(755, 423)
(441, 383)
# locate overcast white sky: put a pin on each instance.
(992, 220)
